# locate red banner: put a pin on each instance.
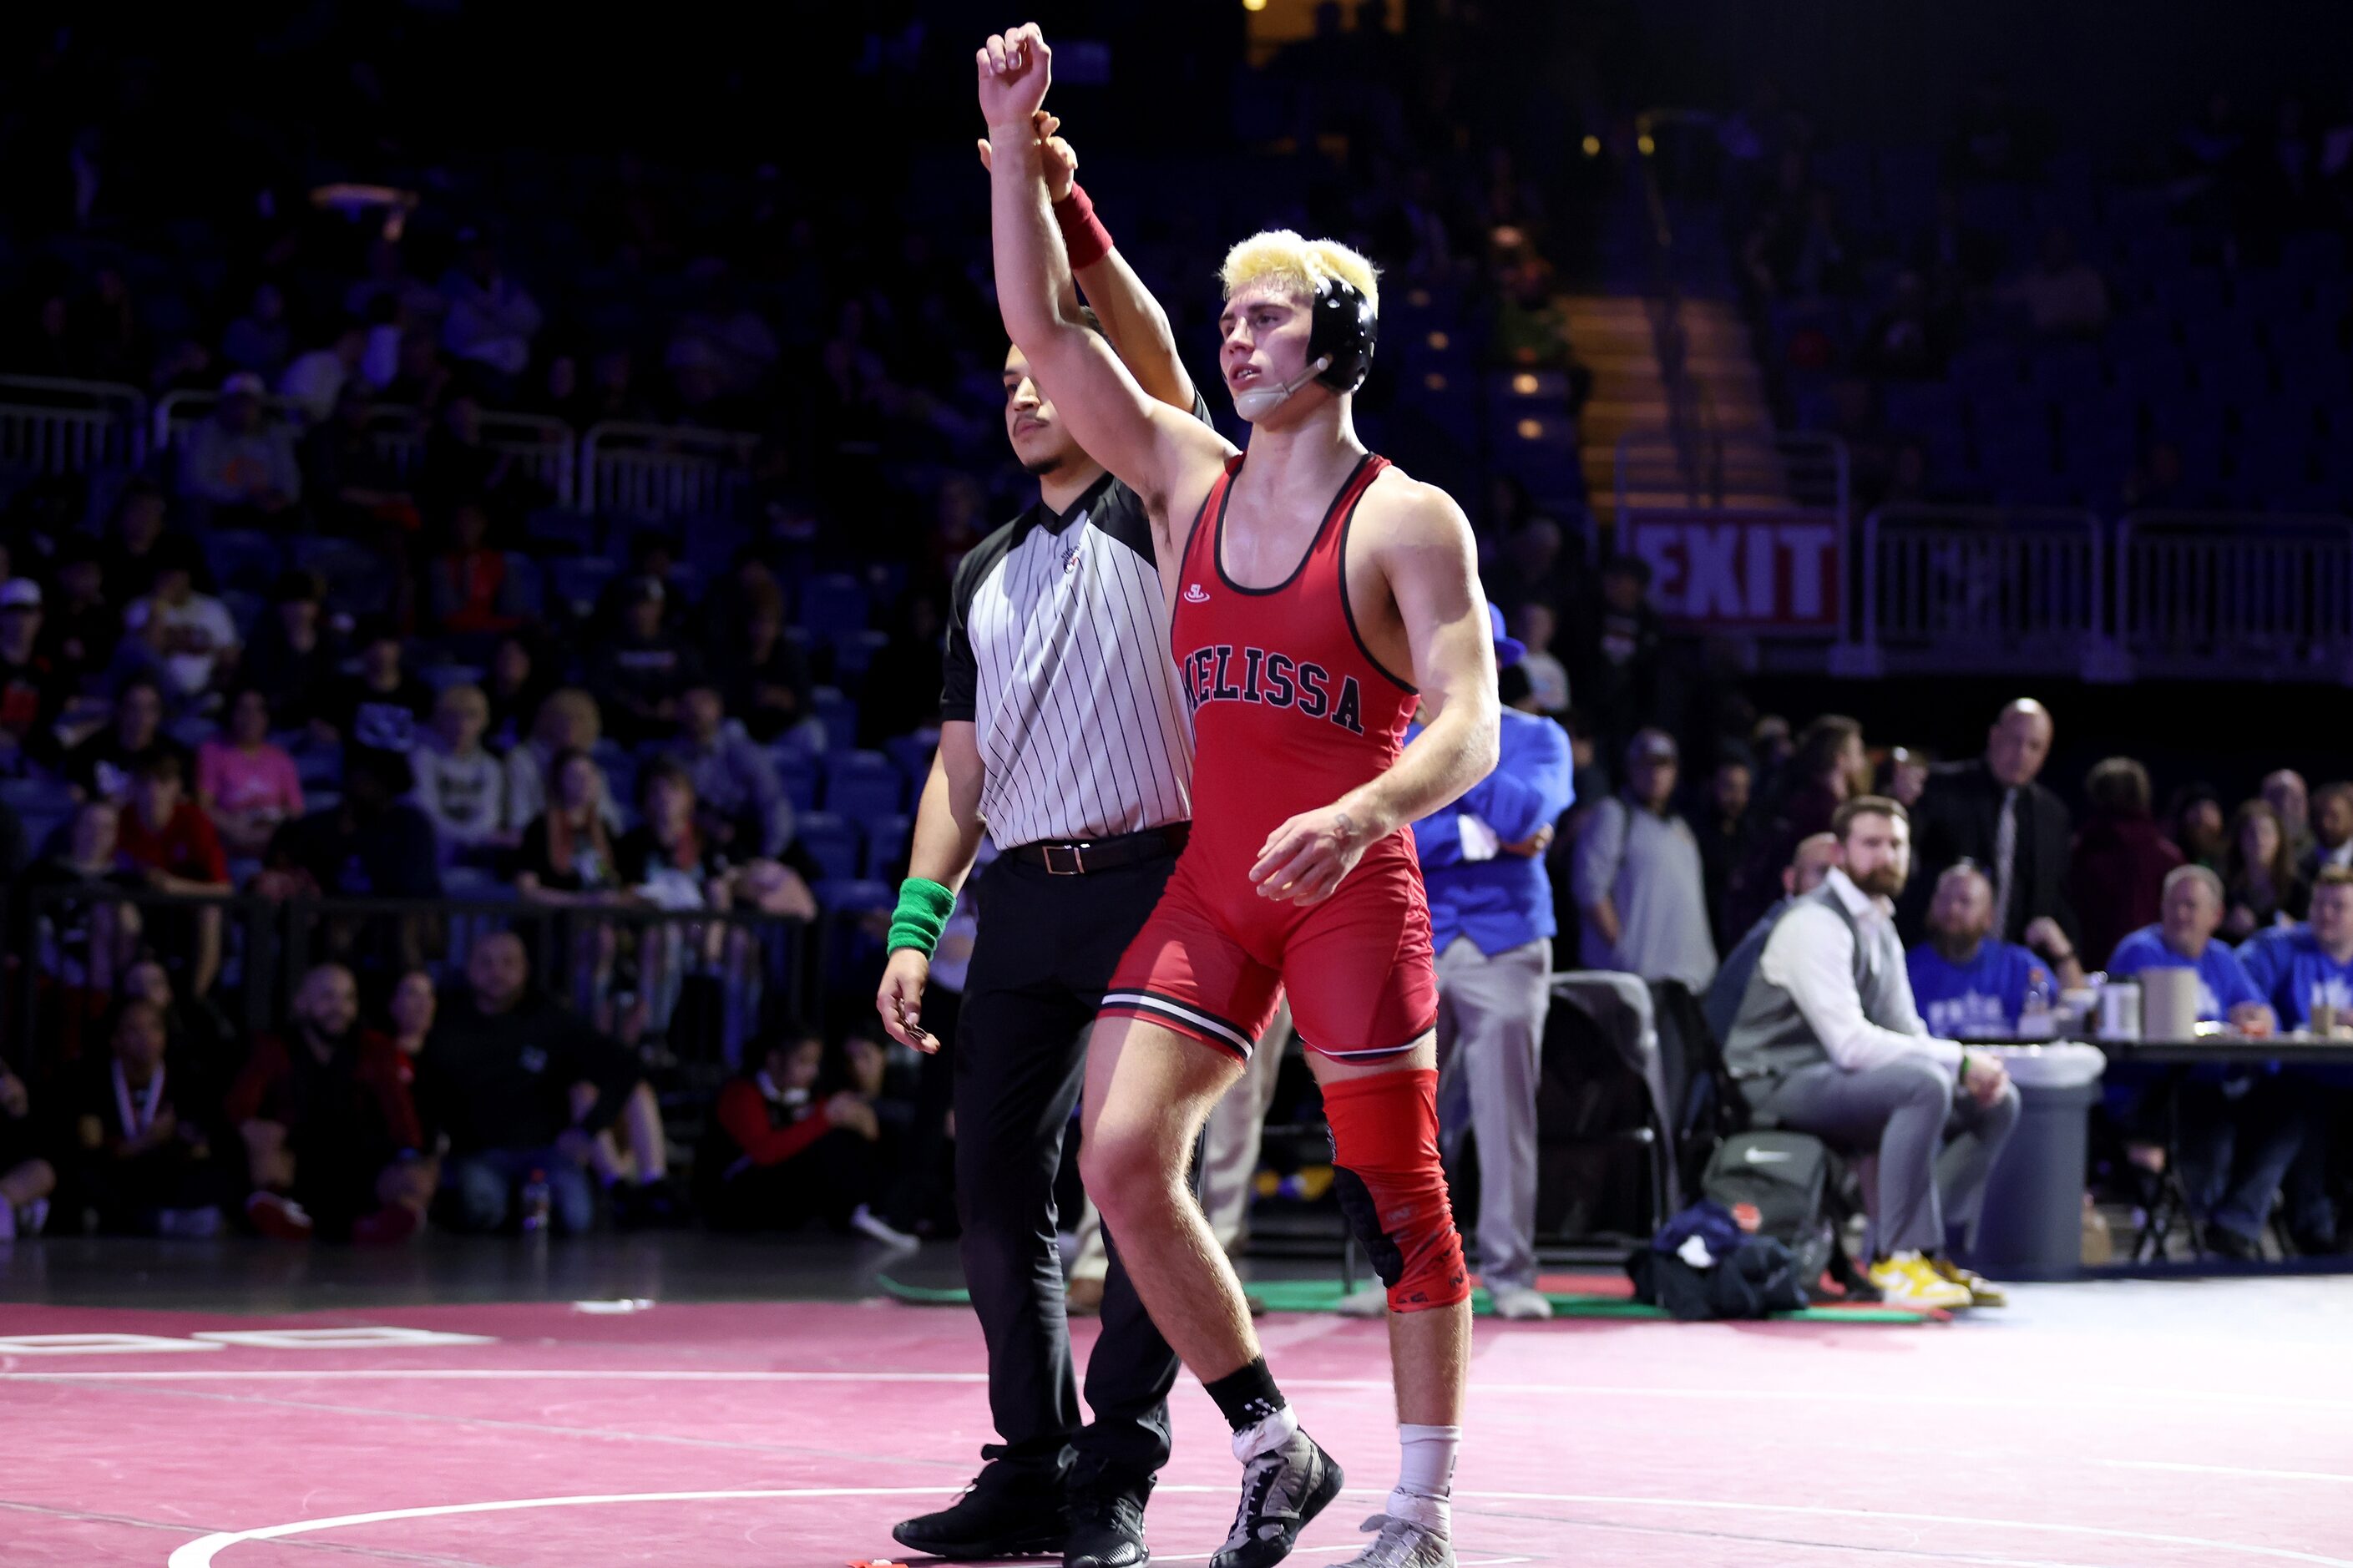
(1753, 571)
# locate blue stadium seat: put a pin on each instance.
(853, 652)
(530, 585)
(913, 756)
(563, 531)
(246, 609)
(243, 559)
(886, 845)
(854, 895)
(797, 772)
(832, 841)
(357, 582)
(838, 714)
(709, 544)
(2241, 377)
(833, 604)
(25, 797)
(577, 581)
(864, 785)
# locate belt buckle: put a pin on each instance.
(1075, 855)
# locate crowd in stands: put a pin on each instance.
(2010, 904)
(278, 662)
(2006, 320)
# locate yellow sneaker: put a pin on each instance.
(1983, 1292)
(1907, 1280)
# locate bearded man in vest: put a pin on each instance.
(1829, 1041)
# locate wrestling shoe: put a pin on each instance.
(1521, 1303)
(1282, 1488)
(278, 1216)
(1106, 1523)
(1907, 1281)
(1402, 1543)
(1983, 1292)
(1008, 1511)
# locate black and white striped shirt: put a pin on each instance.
(1058, 654)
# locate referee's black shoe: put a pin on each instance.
(1106, 1514)
(1012, 1509)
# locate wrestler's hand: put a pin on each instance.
(1060, 164)
(900, 1000)
(1304, 861)
(1016, 67)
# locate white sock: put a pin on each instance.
(1266, 1435)
(1425, 1475)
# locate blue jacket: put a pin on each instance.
(1499, 901)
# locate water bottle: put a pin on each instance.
(536, 1202)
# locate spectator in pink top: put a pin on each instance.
(247, 784)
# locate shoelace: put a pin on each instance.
(1256, 1481)
(1399, 1545)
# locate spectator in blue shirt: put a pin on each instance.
(2238, 1128)
(1491, 918)
(2183, 938)
(1969, 987)
(2298, 969)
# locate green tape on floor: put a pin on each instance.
(1323, 1296)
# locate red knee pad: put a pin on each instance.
(1393, 1188)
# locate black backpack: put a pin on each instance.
(1787, 1175)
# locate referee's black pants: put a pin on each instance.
(1044, 955)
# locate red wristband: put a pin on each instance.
(1085, 239)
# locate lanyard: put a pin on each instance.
(151, 1097)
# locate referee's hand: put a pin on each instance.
(900, 1000)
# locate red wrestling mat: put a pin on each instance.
(2101, 1427)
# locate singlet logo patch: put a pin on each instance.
(1196, 594)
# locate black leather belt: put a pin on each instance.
(1064, 859)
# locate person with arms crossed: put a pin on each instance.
(1828, 1041)
(1064, 739)
(1968, 984)
(1483, 859)
(1317, 595)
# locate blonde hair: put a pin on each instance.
(463, 697)
(1300, 264)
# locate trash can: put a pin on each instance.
(2032, 1224)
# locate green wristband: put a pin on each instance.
(922, 915)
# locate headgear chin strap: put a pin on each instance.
(1342, 330)
(1259, 402)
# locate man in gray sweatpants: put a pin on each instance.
(1829, 1041)
(1491, 918)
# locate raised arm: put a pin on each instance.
(1131, 319)
(1162, 455)
(1423, 545)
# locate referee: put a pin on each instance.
(1063, 736)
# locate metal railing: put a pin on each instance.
(699, 982)
(2216, 593)
(54, 426)
(176, 413)
(661, 470)
(1948, 587)
(542, 446)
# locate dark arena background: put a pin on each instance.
(483, 491)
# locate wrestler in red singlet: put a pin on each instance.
(1290, 712)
